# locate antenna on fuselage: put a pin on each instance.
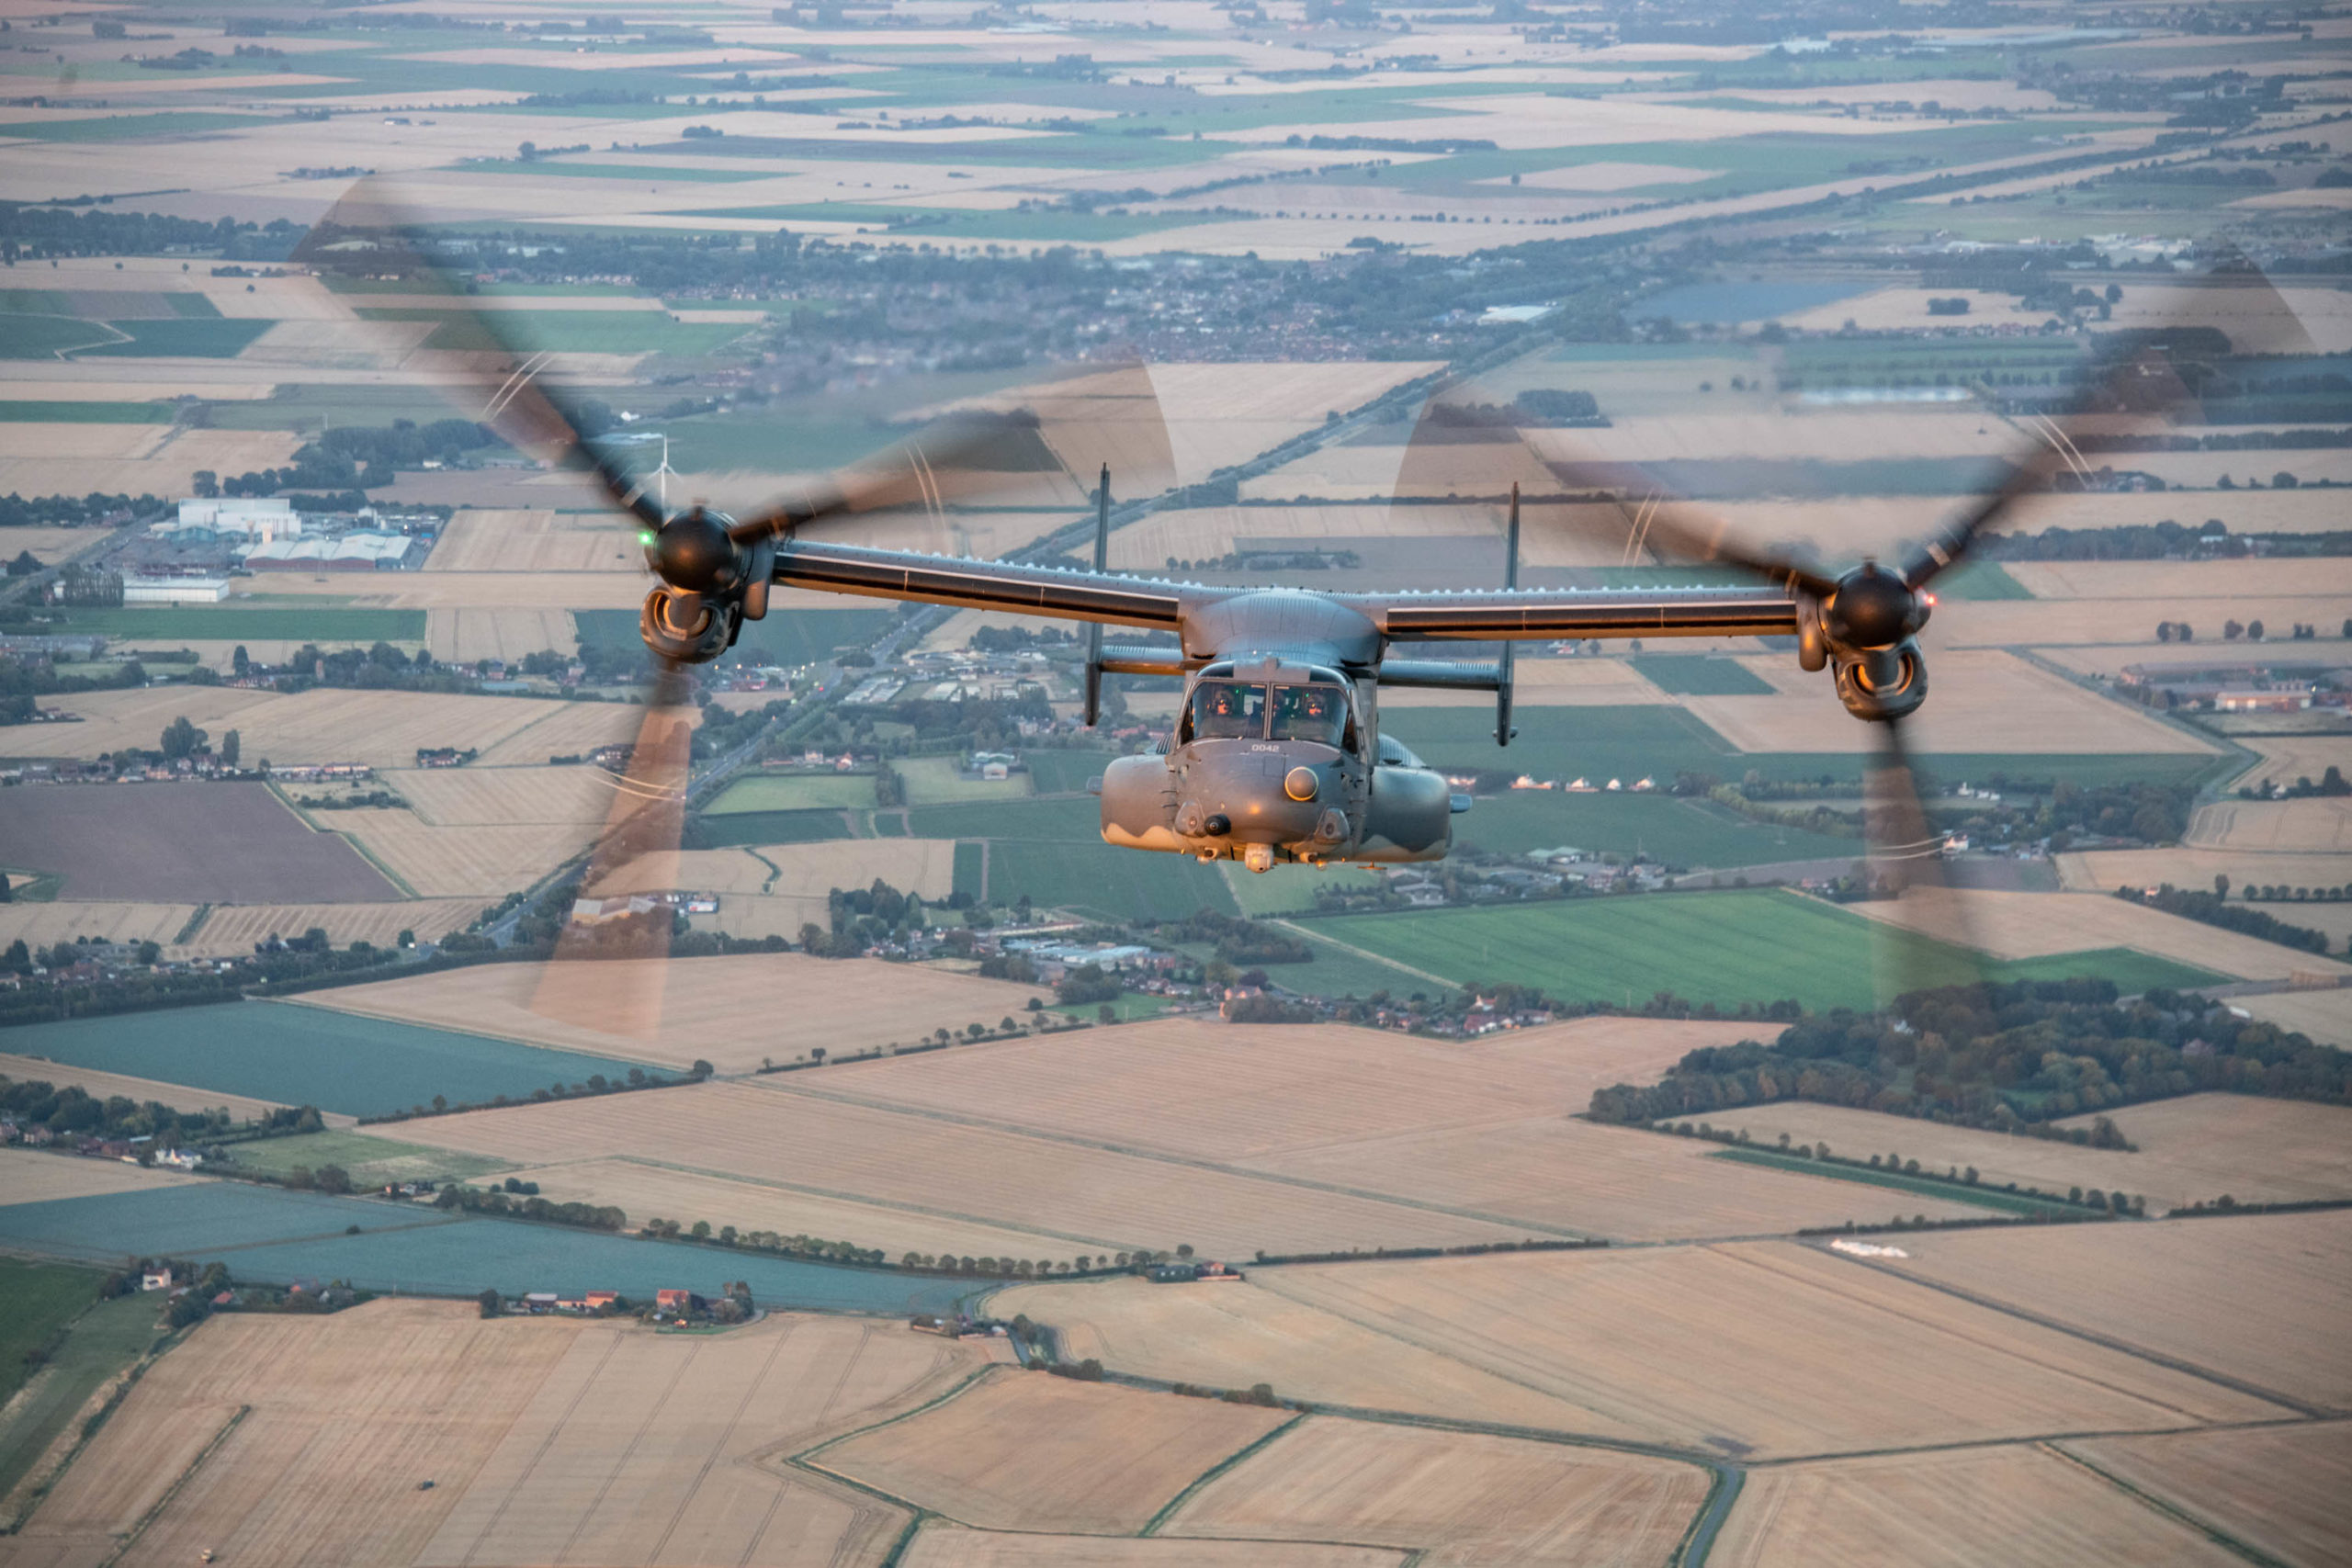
(1503, 729)
(1094, 628)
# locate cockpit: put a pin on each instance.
(1224, 708)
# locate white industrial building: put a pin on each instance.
(352, 552)
(264, 518)
(175, 589)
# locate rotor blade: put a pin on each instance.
(1033, 446)
(2143, 381)
(1467, 449)
(473, 354)
(636, 853)
(1907, 862)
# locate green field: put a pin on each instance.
(24, 336)
(369, 1161)
(1101, 880)
(1701, 675)
(185, 338)
(31, 412)
(307, 1055)
(764, 828)
(793, 792)
(1673, 830)
(1065, 772)
(326, 627)
(1342, 971)
(940, 781)
(99, 1340)
(1724, 948)
(1895, 1180)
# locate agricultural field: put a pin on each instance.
(105, 1085)
(2319, 1014)
(2278, 1491)
(1641, 1337)
(943, 1545)
(2012, 1503)
(39, 1177)
(231, 929)
(1672, 830)
(793, 792)
(2320, 827)
(513, 1421)
(40, 1426)
(1090, 1198)
(369, 1160)
(735, 1012)
(303, 1055)
(1244, 1093)
(480, 862)
(1225, 1335)
(2036, 929)
(39, 924)
(2236, 1297)
(468, 636)
(1019, 1452)
(2191, 1150)
(1460, 1498)
(940, 781)
(182, 843)
(384, 729)
(1763, 946)
(520, 542)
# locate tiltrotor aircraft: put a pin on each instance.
(1277, 754)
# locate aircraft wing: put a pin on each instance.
(987, 585)
(1525, 614)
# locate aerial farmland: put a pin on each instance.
(475, 1092)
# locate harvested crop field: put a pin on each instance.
(735, 1012)
(524, 542)
(2025, 925)
(645, 1189)
(100, 1085)
(231, 930)
(2104, 871)
(2015, 1505)
(1242, 1091)
(1689, 1345)
(384, 729)
(1092, 1199)
(2237, 1295)
(2191, 1150)
(1984, 702)
(943, 1545)
(1554, 1174)
(181, 843)
(1021, 1451)
(1225, 1335)
(2321, 826)
(130, 460)
(2183, 582)
(491, 796)
(2322, 1015)
(1461, 1498)
(28, 1176)
(41, 925)
(2279, 1490)
(462, 861)
(541, 1437)
(467, 635)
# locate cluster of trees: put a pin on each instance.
(481, 1201)
(24, 679)
(2166, 540)
(1237, 941)
(1998, 1056)
(861, 918)
(2214, 910)
(74, 1112)
(97, 506)
(2102, 1133)
(37, 233)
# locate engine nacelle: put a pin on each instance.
(1881, 684)
(691, 628)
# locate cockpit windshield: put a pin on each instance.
(1310, 713)
(1226, 710)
